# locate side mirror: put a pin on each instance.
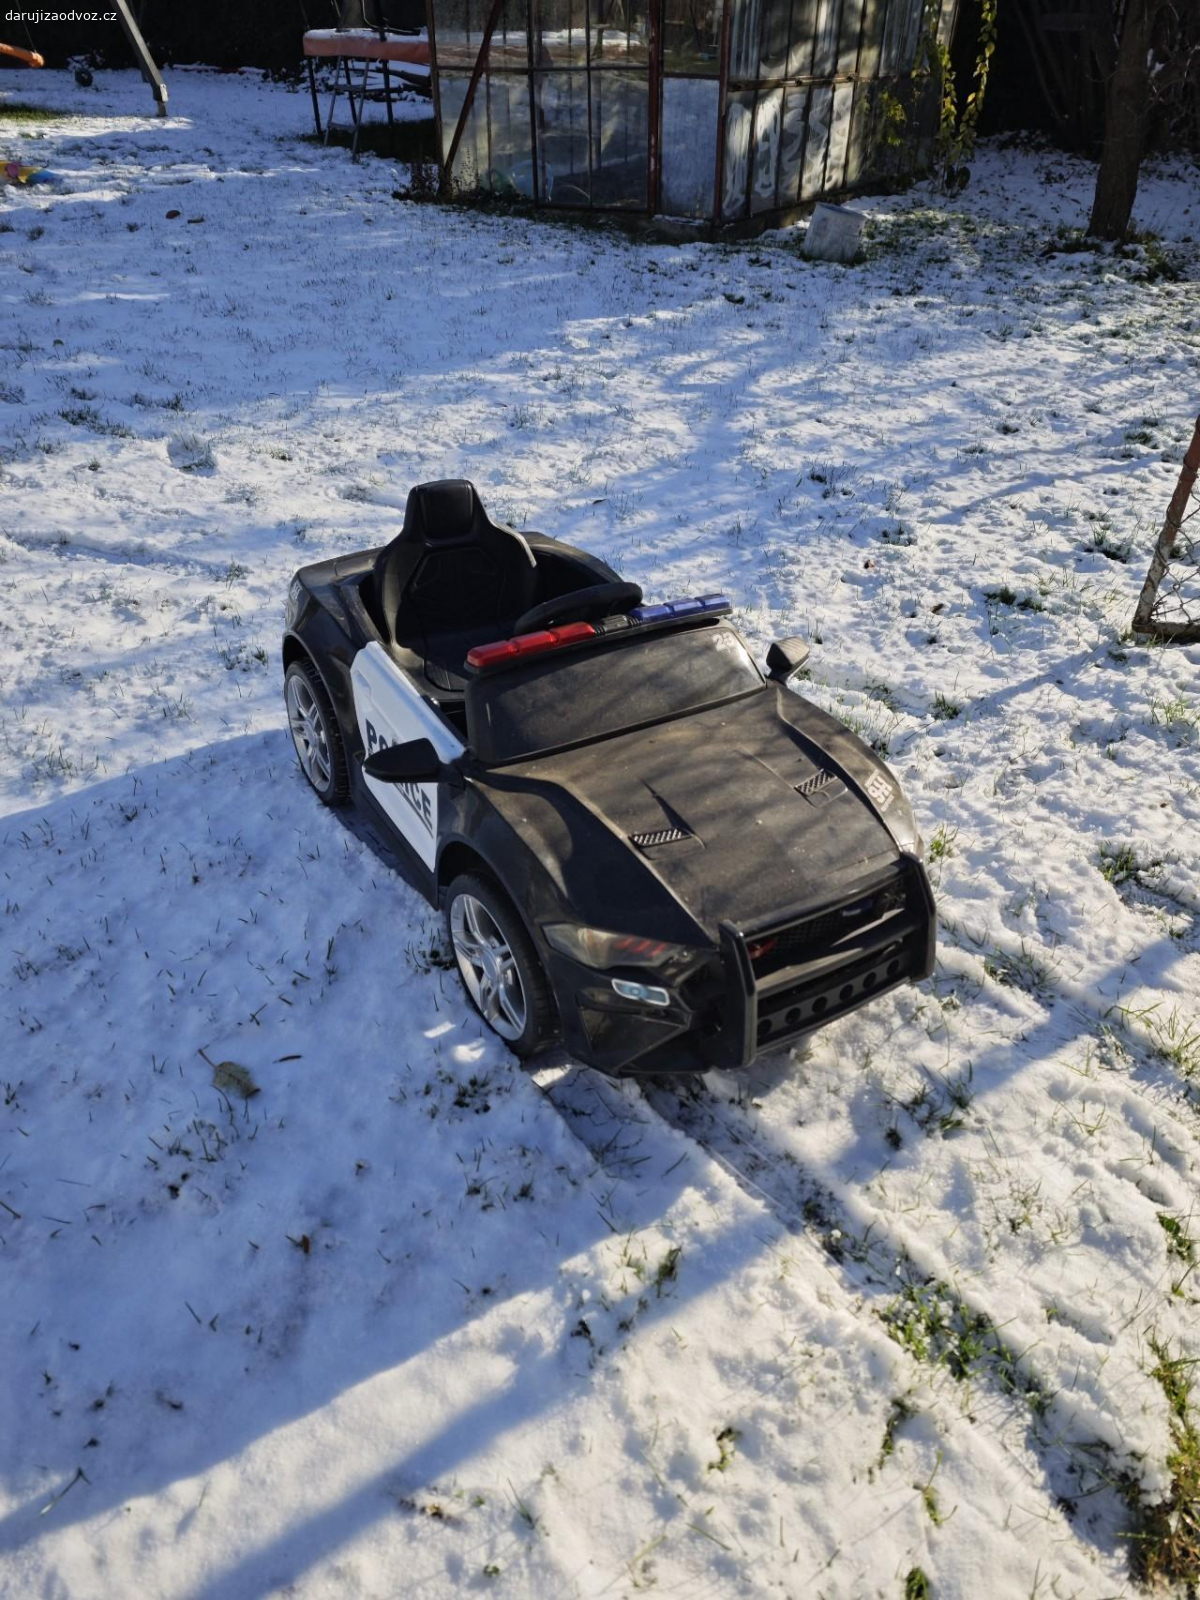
(785, 658)
(414, 761)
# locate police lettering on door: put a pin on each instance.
(417, 794)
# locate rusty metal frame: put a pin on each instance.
(654, 110)
(434, 82)
(476, 73)
(535, 143)
(1144, 622)
(722, 108)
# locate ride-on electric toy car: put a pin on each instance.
(645, 848)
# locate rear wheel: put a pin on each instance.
(319, 747)
(499, 966)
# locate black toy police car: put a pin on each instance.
(645, 848)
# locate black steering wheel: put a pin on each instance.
(581, 605)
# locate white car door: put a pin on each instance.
(390, 711)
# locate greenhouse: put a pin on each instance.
(723, 110)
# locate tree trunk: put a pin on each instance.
(1124, 126)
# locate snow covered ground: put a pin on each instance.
(889, 1312)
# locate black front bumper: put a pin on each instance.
(727, 1013)
(765, 1010)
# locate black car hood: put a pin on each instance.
(714, 805)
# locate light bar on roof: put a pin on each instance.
(506, 651)
(705, 605)
(528, 644)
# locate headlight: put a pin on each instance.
(597, 948)
(904, 827)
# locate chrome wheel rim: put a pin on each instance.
(487, 966)
(308, 732)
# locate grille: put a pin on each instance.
(818, 781)
(812, 937)
(647, 841)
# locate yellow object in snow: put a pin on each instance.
(15, 172)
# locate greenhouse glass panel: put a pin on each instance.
(620, 138)
(619, 33)
(839, 135)
(803, 38)
(812, 176)
(471, 160)
(739, 139)
(825, 46)
(689, 145)
(861, 126)
(872, 37)
(459, 33)
(745, 26)
(848, 36)
(768, 127)
(561, 116)
(509, 49)
(795, 126)
(510, 170)
(559, 33)
(691, 40)
(773, 58)
(453, 86)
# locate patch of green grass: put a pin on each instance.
(941, 843)
(1166, 1548)
(900, 1411)
(1177, 1041)
(726, 1440)
(883, 693)
(929, 1497)
(1174, 1037)
(1179, 1241)
(917, 1586)
(23, 114)
(85, 416)
(1105, 542)
(1022, 970)
(668, 1268)
(868, 731)
(933, 1325)
(1142, 249)
(1120, 863)
(1179, 714)
(522, 1508)
(945, 709)
(1006, 596)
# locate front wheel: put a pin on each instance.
(315, 734)
(499, 966)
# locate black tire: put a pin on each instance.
(315, 733)
(534, 1007)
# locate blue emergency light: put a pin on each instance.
(705, 605)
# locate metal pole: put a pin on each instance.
(1172, 525)
(431, 30)
(145, 60)
(312, 89)
(722, 95)
(654, 91)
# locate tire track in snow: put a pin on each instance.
(611, 1118)
(71, 548)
